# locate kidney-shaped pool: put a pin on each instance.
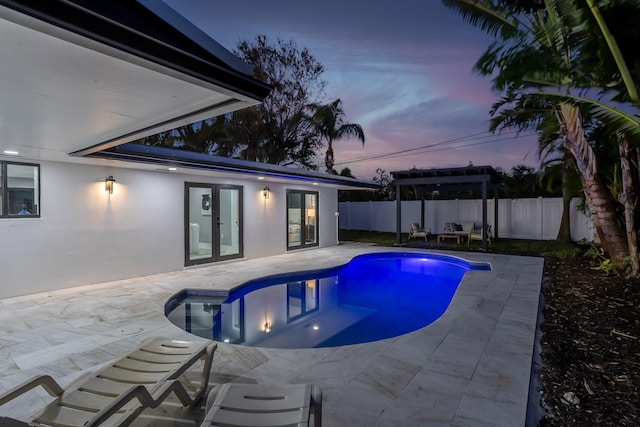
(374, 296)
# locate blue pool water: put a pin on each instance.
(374, 296)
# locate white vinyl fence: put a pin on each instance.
(537, 218)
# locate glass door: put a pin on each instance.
(302, 219)
(213, 223)
(294, 219)
(311, 216)
(229, 230)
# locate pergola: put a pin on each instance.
(447, 180)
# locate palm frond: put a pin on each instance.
(483, 14)
(623, 117)
(614, 49)
(350, 130)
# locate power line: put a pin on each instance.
(419, 148)
(425, 147)
(468, 137)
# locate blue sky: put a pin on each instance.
(403, 70)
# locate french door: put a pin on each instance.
(213, 222)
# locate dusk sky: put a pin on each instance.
(403, 70)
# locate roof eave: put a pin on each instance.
(179, 158)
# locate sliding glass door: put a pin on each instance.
(213, 222)
(302, 219)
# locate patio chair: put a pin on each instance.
(416, 231)
(476, 234)
(117, 393)
(250, 405)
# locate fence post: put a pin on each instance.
(541, 204)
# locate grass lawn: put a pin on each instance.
(544, 248)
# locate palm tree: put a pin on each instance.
(328, 120)
(540, 51)
(557, 163)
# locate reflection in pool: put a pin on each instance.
(374, 296)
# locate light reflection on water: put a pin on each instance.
(375, 296)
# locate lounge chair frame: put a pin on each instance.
(119, 392)
(250, 405)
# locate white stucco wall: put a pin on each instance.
(86, 236)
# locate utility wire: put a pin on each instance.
(411, 151)
(460, 139)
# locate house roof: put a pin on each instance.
(179, 158)
(79, 76)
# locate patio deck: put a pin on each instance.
(469, 368)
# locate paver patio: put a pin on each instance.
(469, 368)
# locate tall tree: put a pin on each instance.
(534, 112)
(544, 52)
(557, 164)
(329, 121)
(277, 130)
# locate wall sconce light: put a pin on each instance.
(108, 184)
(267, 327)
(266, 192)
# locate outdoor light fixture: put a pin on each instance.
(267, 327)
(108, 184)
(266, 192)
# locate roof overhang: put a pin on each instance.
(80, 76)
(80, 79)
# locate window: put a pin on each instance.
(19, 190)
(302, 219)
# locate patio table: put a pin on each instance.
(458, 237)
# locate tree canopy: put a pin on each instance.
(572, 60)
(277, 131)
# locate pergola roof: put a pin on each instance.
(449, 178)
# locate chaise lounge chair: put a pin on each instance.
(117, 393)
(250, 405)
(416, 231)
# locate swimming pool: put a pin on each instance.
(372, 297)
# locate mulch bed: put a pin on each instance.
(590, 346)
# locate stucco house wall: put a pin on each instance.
(86, 236)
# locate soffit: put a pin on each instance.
(62, 92)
